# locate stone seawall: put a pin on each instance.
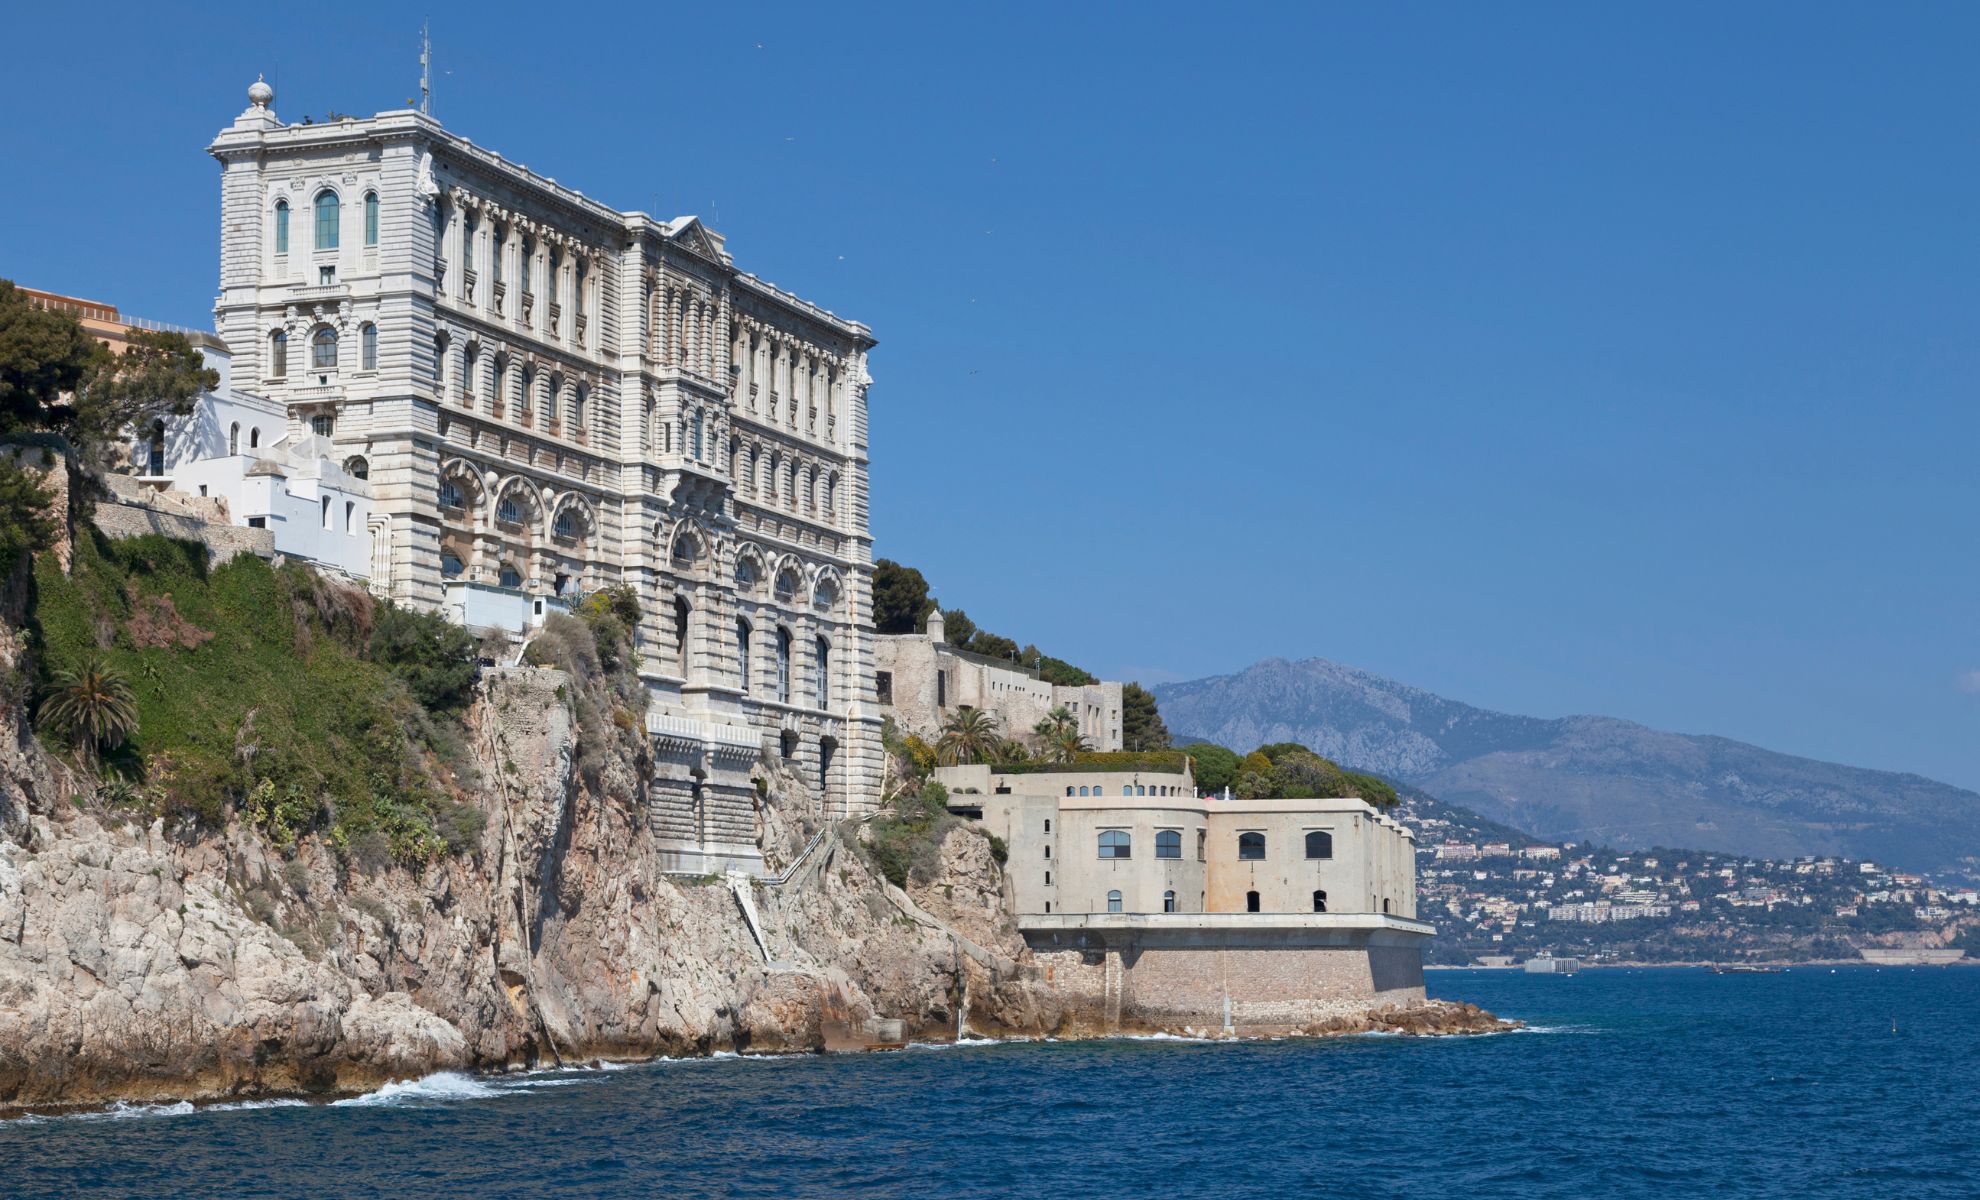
(1274, 974)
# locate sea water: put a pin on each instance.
(1651, 1083)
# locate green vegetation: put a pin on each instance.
(900, 598)
(90, 707)
(1141, 722)
(56, 378)
(907, 842)
(254, 695)
(25, 525)
(1216, 767)
(432, 655)
(969, 736)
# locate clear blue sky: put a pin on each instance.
(1555, 358)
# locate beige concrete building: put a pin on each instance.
(1115, 842)
(546, 395)
(920, 681)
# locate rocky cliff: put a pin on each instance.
(195, 955)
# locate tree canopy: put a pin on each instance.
(1141, 721)
(56, 378)
(900, 598)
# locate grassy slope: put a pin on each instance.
(329, 729)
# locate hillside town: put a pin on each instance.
(1498, 896)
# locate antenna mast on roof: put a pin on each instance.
(425, 72)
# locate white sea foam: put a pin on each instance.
(958, 1043)
(125, 1110)
(446, 1085)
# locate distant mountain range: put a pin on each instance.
(1587, 779)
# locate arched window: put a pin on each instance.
(784, 666)
(742, 652)
(468, 358)
(254, 438)
(511, 578)
(787, 585)
(1251, 845)
(327, 220)
(281, 227)
(681, 614)
(1319, 844)
(371, 218)
(1251, 902)
(498, 375)
(1319, 902)
(1127, 789)
(1069, 790)
(357, 468)
(278, 355)
(451, 565)
(508, 511)
(528, 386)
(440, 365)
(234, 438)
(831, 495)
(566, 525)
(323, 349)
(1082, 791)
(1113, 902)
(551, 391)
(822, 685)
(528, 252)
(1385, 904)
(1140, 790)
(578, 402)
(450, 495)
(368, 347)
(790, 484)
(1168, 902)
(1115, 843)
(1168, 844)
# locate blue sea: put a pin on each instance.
(1651, 1083)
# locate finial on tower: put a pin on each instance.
(425, 72)
(259, 93)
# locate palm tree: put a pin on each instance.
(969, 737)
(1065, 746)
(1053, 723)
(91, 707)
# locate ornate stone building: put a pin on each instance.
(547, 396)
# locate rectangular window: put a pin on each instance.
(1048, 879)
(883, 683)
(371, 218)
(257, 522)
(325, 276)
(941, 689)
(1048, 852)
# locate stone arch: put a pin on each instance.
(518, 508)
(572, 521)
(827, 591)
(751, 570)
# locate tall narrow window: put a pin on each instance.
(1319, 902)
(1168, 902)
(681, 633)
(822, 687)
(328, 222)
(497, 377)
(469, 224)
(234, 438)
(371, 218)
(281, 227)
(697, 435)
(495, 258)
(528, 385)
(278, 356)
(742, 652)
(323, 349)
(468, 358)
(784, 666)
(157, 448)
(368, 347)
(1251, 902)
(528, 250)
(1113, 902)
(325, 503)
(579, 401)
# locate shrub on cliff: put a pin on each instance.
(907, 842)
(435, 657)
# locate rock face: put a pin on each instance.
(141, 961)
(1585, 778)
